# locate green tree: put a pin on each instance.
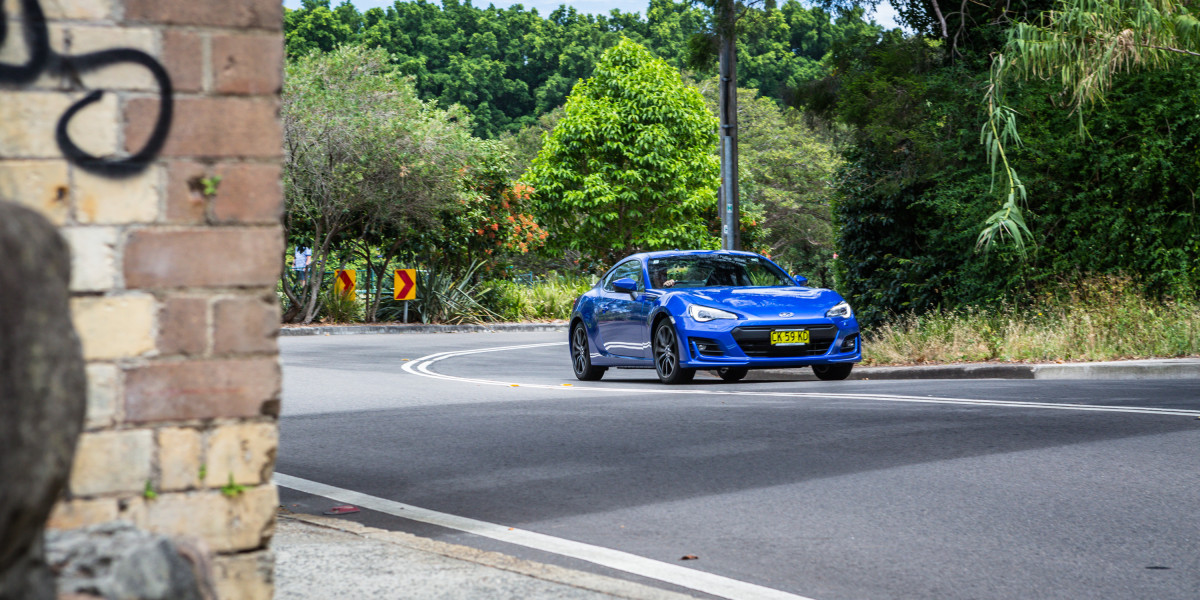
(630, 166)
(314, 28)
(364, 160)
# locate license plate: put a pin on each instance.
(789, 337)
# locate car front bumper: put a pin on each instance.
(727, 343)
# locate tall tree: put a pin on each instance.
(630, 165)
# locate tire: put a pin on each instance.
(666, 355)
(836, 372)
(581, 357)
(732, 374)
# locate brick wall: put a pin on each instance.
(173, 287)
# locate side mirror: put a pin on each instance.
(800, 279)
(625, 285)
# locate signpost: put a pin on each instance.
(404, 286)
(343, 281)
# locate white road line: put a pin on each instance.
(420, 366)
(692, 579)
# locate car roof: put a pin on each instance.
(664, 253)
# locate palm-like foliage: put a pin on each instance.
(1084, 44)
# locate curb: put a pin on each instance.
(421, 328)
(1172, 368)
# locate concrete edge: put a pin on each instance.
(1173, 368)
(552, 573)
(420, 328)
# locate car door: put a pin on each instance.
(621, 319)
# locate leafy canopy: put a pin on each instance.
(630, 166)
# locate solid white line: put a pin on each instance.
(421, 366)
(692, 579)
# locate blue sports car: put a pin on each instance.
(729, 312)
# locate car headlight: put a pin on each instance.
(841, 311)
(704, 314)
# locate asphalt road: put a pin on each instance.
(825, 490)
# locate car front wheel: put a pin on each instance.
(581, 357)
(666, 356)
(832, 372)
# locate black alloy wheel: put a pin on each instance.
(832, 372)
(666, 355)
(581, 358)
(732, 374)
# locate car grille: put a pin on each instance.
(756, 341)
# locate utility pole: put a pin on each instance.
(731, 237)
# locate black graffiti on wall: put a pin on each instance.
(43, 60)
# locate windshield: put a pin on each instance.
(715, 271)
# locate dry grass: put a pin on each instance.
(1100, 320)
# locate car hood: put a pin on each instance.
(767, 303)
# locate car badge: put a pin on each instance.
(786, 314)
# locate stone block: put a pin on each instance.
(115, 327)
(186, 202)
(259, 14)
(246, 325)
(182, 391)
(38, 184)
(183, 326)
(232, 257)
(104, 200)
(236, 522)
(103, 393)
(28, 119)
(184, 58)
(244, 452)
(112, 462)
(76, 513)
(93, 257)
(75, 38)
(179, 458)
(247, 64)
(224, 127)
(75, 10)
(249, 193)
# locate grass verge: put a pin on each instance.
(1101, 320)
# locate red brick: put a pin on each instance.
(183, 57)
(185, 202)
(249, 193)
(247, 64)
(246, 325)
(183, 326)
(240, 257)
(262, 14)
(210, 127)
(184, 391)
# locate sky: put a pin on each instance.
(884, 15)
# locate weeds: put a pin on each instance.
(1101, 319)
(340, 308)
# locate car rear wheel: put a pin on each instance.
(666, 355)
(732, 373)
(832, 372)
(581, 356)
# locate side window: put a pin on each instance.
(631, 269)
